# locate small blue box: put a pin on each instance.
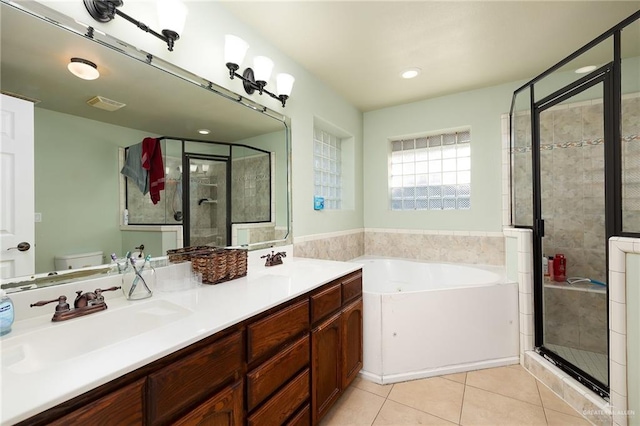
(318, 203)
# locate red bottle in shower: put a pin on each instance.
(560, 268)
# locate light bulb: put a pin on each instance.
(262, 67)
(172, 15)
(284, 84)
(234, 49)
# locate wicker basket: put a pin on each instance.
(216, 265)
(184, 254)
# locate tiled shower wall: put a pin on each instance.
(251, 186)
(572, 161)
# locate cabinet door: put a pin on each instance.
(325, 362)
(351, 342)
(223, 409)
(122, 407)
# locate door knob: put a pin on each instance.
(23, 246)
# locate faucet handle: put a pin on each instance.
(102, 290)
(62, 306)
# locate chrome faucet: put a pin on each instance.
(274, 259)
(85, 304)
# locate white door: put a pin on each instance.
(16, 188)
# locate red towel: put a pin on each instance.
(152, 161)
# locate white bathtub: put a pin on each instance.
(425, 319)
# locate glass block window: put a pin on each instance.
(431, 173)
(327, 168)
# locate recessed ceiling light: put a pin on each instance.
(83, 69)
(204, 131)
(410, 73)
(586, 69)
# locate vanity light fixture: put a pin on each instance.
(83, 69)
(172, 15)
(205, 168)
(193, 168)
(255, 78)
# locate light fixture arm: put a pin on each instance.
(106, 10)
(251, 85)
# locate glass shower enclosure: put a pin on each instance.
(210, 188)
(575, 181)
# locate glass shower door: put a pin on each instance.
(208, 215)
(574, 245)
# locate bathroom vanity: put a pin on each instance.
(276, 347)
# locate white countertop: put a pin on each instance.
(38, 373)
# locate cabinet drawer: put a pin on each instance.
(189, 380)
(284, 403)
(302, 418)
(326, 302)
(224, 408)
(128, 408)
(264, 380)
(271, 332)
(351, 287)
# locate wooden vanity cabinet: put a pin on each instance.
(285, 366)
(336, 345)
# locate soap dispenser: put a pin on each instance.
(7, 314)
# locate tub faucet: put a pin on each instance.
(273, 259)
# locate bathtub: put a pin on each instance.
(423, 319)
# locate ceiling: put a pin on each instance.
(359, 48)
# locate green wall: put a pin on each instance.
(480, 110)
(76, 185)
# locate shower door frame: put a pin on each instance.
(613, 206)
(186, 183)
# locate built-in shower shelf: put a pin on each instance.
(207, 184)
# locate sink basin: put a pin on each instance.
(66, 340)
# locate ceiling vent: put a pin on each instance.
(105, 103)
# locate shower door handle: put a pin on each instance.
(540, 227)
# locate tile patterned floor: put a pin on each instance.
(508, 396)
(592, 362)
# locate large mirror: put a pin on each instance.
(79, 191)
